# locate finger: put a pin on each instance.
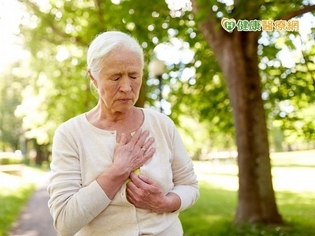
(149, 153)
(135, 137)
(145, 179)
(135, 181)
(130, 194)
(123, 139)
(131, 185)
(147, 144)
(134, 177)
(141, 141)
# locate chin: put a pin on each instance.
(124, 108)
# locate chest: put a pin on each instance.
(96, 155)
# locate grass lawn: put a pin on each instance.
(293, 179)
(14, 192)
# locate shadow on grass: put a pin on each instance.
(213, 214)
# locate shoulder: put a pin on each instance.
(71, 124)
(161, 125)
(69, 131)
(157, 117)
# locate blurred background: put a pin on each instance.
(44, 81)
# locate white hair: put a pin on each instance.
(105, 43)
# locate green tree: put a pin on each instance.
(237, 56)
(58, 35)
(289, 87)
(11, 87)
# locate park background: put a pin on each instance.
(197, 73)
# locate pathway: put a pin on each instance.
(35, 219)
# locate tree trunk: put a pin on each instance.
(142, 96)
(41, 153)
(237, 56)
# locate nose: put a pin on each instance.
(125, 84)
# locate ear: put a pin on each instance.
(93, 80)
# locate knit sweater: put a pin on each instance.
(81, 152)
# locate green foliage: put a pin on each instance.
(7, 161)
(242, 9)
(289, 88)
(11, 87)
(58, 35)
(282, 86)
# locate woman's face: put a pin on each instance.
(119, 80)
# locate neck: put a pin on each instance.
(113, 120)
(103, 113)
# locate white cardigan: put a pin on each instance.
(81, 152)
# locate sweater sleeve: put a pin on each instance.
(184, 177)
(71, 205)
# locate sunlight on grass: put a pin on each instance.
(220, 175)
(291, 171)
(14, 192)
(213, 213)
(296, 179)
(298, 158)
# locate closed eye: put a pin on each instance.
(115, 78)
(133, 75)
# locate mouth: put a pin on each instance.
(125, 99)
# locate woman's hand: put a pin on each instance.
(131, 154)
(143, 193)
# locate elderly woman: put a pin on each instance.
(118, 169)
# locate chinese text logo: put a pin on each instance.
(259, 25)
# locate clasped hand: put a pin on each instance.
(142, 192)
(132, 153)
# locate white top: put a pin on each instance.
(81, 152)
